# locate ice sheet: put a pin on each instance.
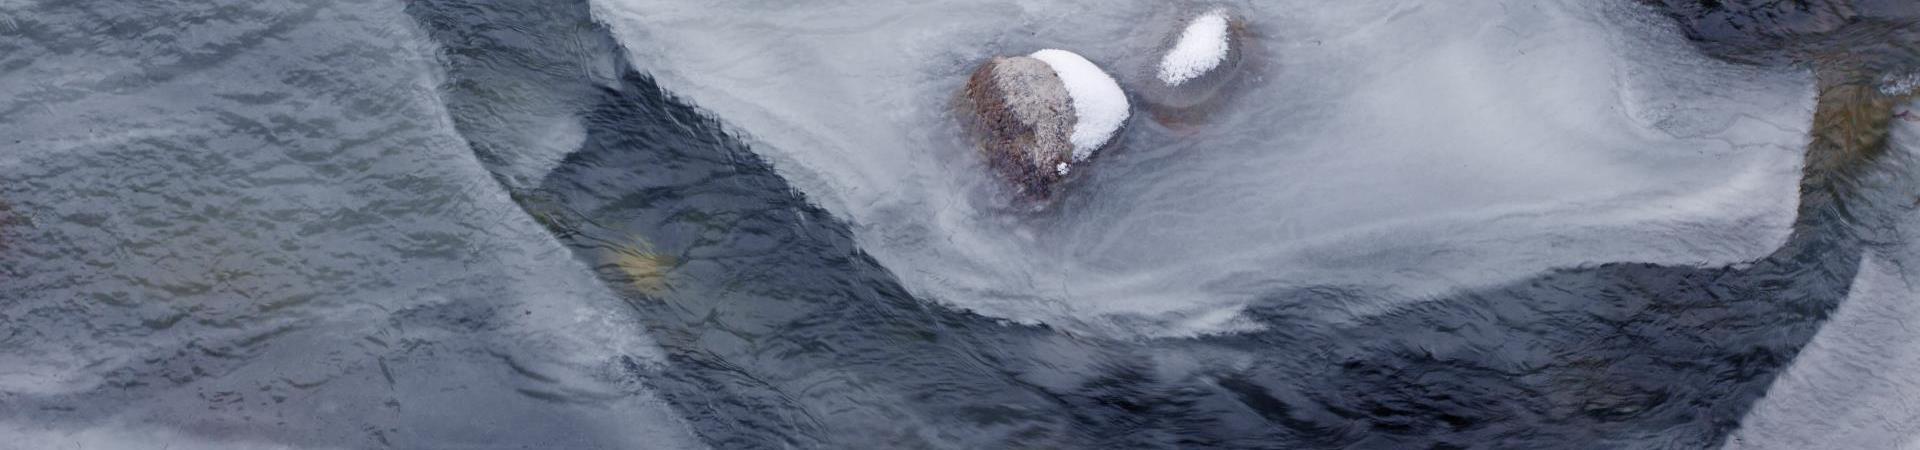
(253, 224)
(1394, 147)
(1853, 386)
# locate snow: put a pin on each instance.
(1098, 101)
(1202, 47)
(1900, 85)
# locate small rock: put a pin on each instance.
(1196, 60)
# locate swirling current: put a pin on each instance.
(665, 224)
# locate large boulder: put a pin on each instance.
(1196, 59)
(1034, 117)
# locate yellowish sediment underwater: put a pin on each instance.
(645, 269)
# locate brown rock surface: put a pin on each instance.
(1021, 119)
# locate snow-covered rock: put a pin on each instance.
(1035, 116)
(1099, 106)
(1195, 60)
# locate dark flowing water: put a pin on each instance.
(480, 224)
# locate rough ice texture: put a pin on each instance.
(272, 311)
(1098, 102)
(1406, 149)
(1853, 385)
(1201, 48)
(1898, 85)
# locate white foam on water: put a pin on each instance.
(1201, 48)
(1400, 148)
(1098, 103)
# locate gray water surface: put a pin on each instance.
(252, 223)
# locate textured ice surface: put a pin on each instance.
(1396, 148)
(1202, 47)
(1099, 106)
(128, 437)
(1854, 385)
(255, 225)
(1900, 84)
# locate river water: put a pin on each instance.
(676, 224)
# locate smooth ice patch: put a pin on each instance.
(1405, 149)
(1201, 48)
(1098, 102)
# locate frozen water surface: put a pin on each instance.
(433, 223)
(251, 224)
(1853, 385)
(1397, 149)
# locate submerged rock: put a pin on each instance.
(1033, 117)
(1196, 60)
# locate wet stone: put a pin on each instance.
(1022, 119)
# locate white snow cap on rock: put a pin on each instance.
(1202, 47)
(1098, 102)
(1897, 85)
